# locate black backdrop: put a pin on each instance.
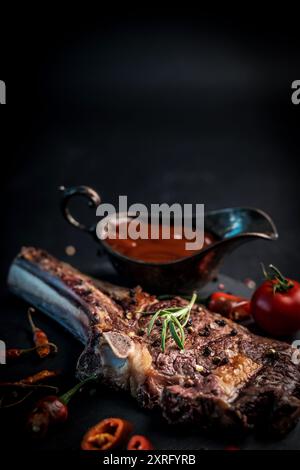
(173, 108)
(188, 109)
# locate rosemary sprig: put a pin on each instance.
(174, 319)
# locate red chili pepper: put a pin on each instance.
(230, 306)
(44, 347)
(51, 410)
(56, 409)
(38, 423)
(108, 434)
(139, 443)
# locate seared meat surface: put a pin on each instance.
(225, 376)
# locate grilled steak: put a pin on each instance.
(225, 376)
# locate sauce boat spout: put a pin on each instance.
(241, 222)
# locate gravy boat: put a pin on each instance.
(231, 228)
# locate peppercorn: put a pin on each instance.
(207, 351)
(221, 322)
(205, 332)
(216, 360)
(205, 372)
(233, 332)
(224, 361)
(272, 354)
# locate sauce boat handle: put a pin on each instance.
(85, 191)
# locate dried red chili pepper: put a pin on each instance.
(51, 410)
(20, 385)
(17, 402)
(15, 393)
(15, 353)
(44, 347)
(230, 306)
(139, 443)
(33, 379)
(39, 376)
(108, 434)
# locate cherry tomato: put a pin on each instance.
(275, 305)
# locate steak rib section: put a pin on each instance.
(225, 377)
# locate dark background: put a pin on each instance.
(172, 108)
(163, 109)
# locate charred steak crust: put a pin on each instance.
(226, 376)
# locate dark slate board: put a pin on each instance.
(92, 406)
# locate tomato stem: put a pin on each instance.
(278, 274)
(280, 283)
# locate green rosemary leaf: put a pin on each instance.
(152, 321)
(175, 309)
(181, 330)
(184, 317)
(164, 334)
(190, 306)
(174, 319)
(175, 336)
(183, 311)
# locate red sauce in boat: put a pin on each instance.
(156, 250)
